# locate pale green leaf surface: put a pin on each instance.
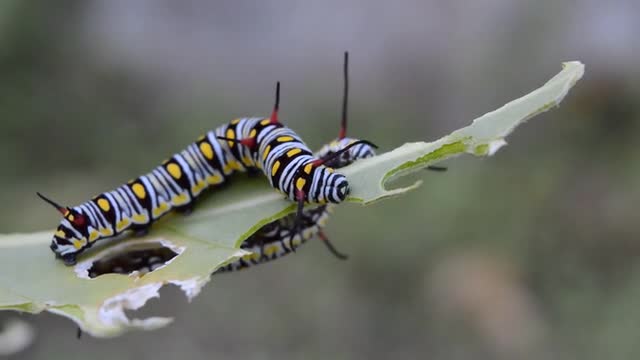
(31, 280)
(483, 137)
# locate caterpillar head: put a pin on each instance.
(337, 154)
(70, 236)
(320, 185)
(337, 188)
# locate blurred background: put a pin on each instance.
(529, 254)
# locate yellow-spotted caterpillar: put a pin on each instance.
(281, 237)
(247, 143)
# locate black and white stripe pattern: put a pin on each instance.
(278, 238)
(279, 152)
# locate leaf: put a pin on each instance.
(31, 280)
(483, 137)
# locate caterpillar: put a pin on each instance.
(280, 237)
(243, 144)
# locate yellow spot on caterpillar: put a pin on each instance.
(106, 232)
(140, 218)
(180, 199)
(292, 152)
(284, 138)
(308, 168)
(214, 179)
(300, 183)
(104, 204)
(206, 150)
(161, 209)
(247, 160)
(174, 170)
(122, 224)
(275, 168)
(253, 133)
(93, 236)
(330, 170)
(231, 135)
(71, 217)
(271, 250)
(197, 188)
(66, 212)
(266, 152)
(60, 234)
(308, 233)
(235, 165)
(231, 165)
(296, 241)
(265, 122)
(235, 121)
(138, 189)
(76, 244)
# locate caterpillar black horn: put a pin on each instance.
(63, 210)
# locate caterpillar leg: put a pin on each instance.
(296, 229)
(140, 230)
(253, 173)
(331, 248)
(186, 209)
(263, 254)
(292, 235)
(68, 259)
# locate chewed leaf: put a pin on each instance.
(98, 304)
(483, 137)
(184, 251)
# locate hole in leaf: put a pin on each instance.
(141, 258)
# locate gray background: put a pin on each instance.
(528, 254)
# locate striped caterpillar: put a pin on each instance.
(247, 143)
(281, 237)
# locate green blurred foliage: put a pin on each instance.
(532, 253)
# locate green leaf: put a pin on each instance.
(483, 137)
(31, 280)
